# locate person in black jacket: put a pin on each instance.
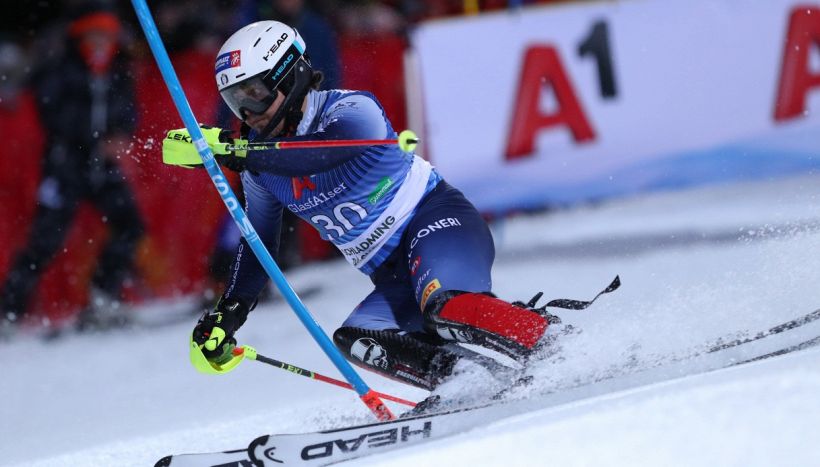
(86, 103)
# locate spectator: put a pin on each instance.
(86, 105)
(22, 148)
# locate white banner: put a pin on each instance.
(584, 101)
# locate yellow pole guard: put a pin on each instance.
(203, 365)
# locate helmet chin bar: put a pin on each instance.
(291, 108)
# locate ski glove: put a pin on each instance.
(215, 329)
(178, 148)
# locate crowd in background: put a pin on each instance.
(124, 227)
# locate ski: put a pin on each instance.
(793, 348)
(780, 328)
(337, 445)
(332, 446)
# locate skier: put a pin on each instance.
(424, 246)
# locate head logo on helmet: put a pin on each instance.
(281, 68)
(275, 46)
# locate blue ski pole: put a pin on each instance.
(367, 395)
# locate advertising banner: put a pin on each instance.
(585, 101)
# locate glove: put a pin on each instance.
(215, 329)
(178, 148)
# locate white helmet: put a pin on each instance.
(258, 60)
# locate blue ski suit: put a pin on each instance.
(389, 212)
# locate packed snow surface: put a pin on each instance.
(696, 266)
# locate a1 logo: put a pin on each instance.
(796, 78)
(543, 67)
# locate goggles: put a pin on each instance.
(257, 93)
(251, 95)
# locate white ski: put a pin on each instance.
(331, 446)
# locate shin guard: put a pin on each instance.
(481, 319)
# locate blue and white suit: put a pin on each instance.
(389, 212)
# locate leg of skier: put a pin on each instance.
(450, 254)
(385, 334)
(432, 292)
(380, 335)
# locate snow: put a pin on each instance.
(695, 266)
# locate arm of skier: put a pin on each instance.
(353, 117)
(247, 276)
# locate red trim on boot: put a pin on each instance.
(496, 316)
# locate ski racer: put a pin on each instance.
(424, 246)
